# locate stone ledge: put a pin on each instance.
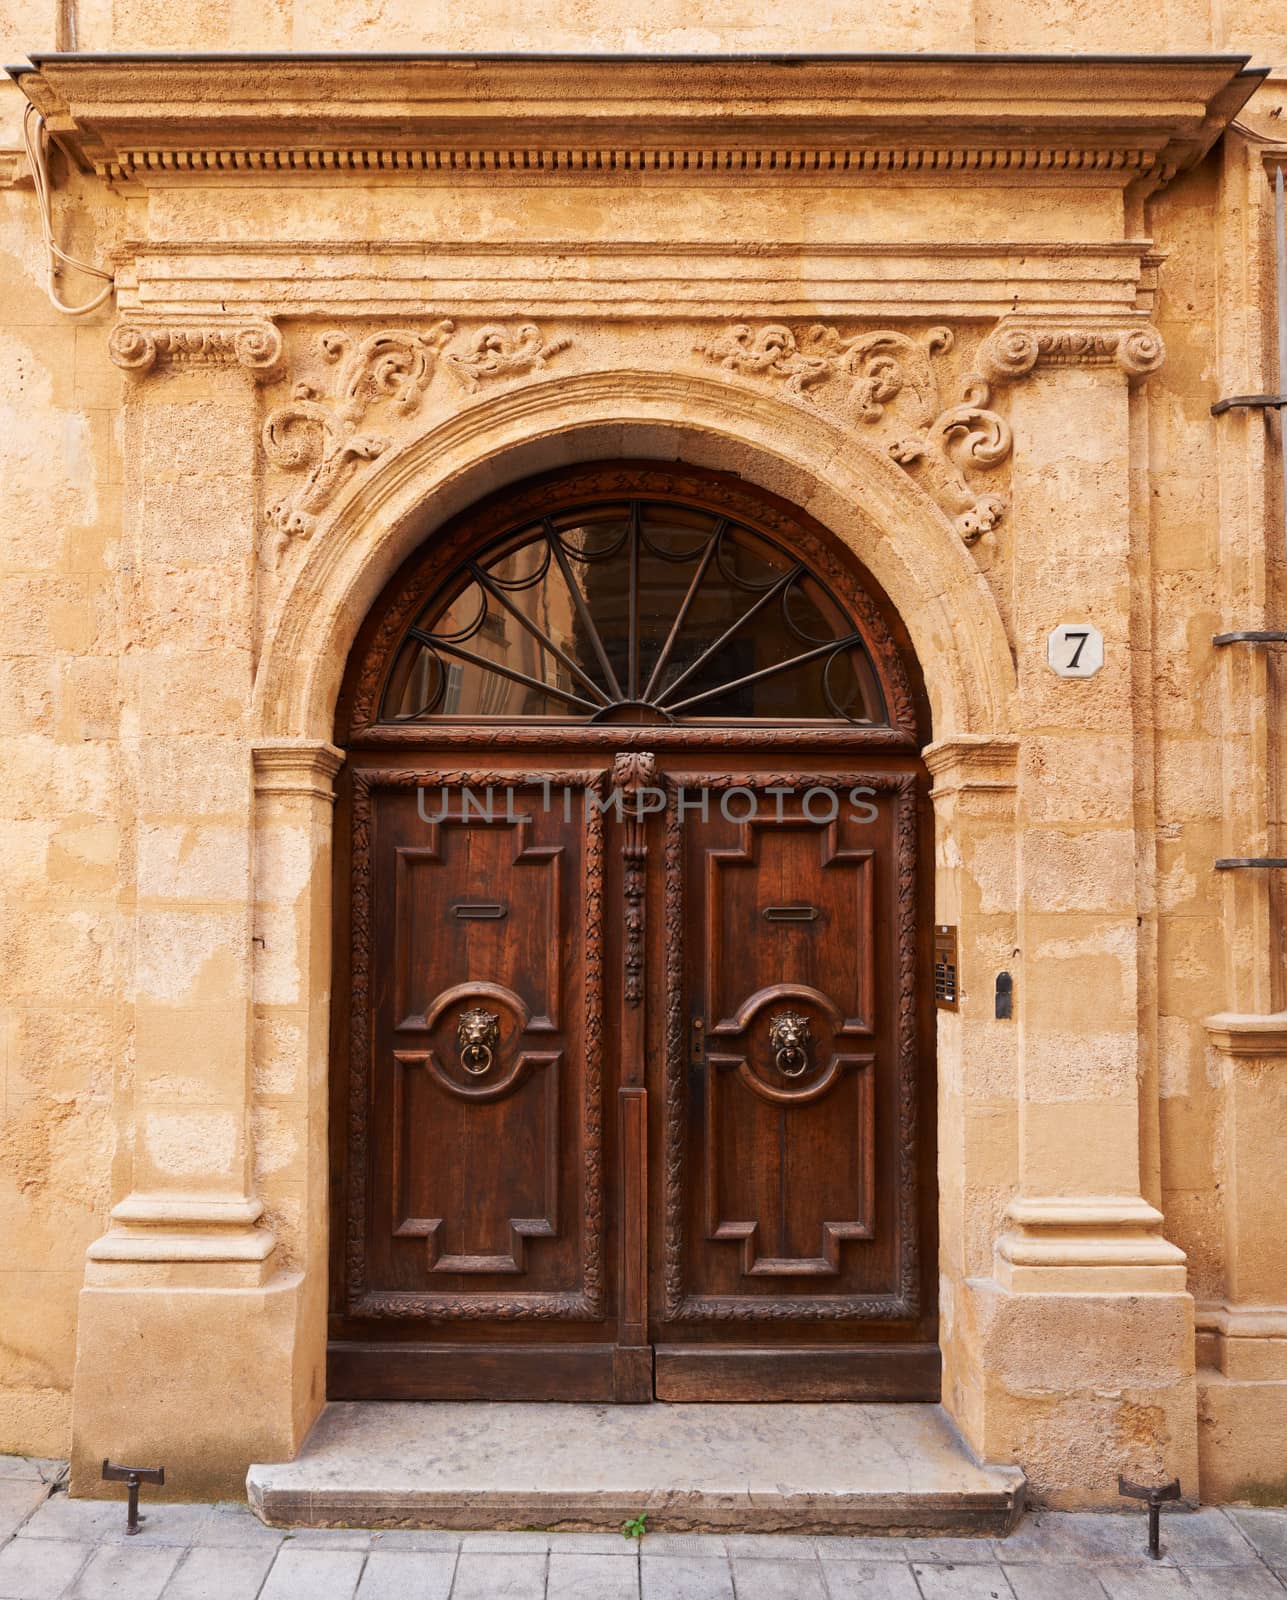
(764, 1468)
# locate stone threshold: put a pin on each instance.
(813, 1468)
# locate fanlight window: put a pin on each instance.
(637, 611)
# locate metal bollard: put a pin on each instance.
(1155, 1497)
(132, 1477)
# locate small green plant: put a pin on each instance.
(635, 1528)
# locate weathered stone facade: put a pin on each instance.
(354, 296)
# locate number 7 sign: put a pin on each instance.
(1075, 650)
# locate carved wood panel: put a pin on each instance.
(475, 1181)
(791, 1191)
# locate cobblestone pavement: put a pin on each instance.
(53, 1548)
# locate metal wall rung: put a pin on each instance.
(1252, 636)
(1257, 402)
(1232, 863)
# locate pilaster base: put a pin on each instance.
(1096, 1245)
(1075, 1387)
(1242, 1403)
(200, 1380)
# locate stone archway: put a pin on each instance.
(894, 528)
(865, 499)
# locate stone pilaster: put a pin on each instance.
(1242, 1380)
(186, 1309)
(974, 800)
(1084, 1329)
(294, 804)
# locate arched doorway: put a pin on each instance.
(633, 1048)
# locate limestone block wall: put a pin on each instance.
(66, 843)
(164, 810)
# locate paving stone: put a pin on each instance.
(38, 1469)
(313, 1575)
(1204, 1539)
(757, 1579)
(233, 1524)
(1267, 1531)
(104, 1522)
(685, 1577)
(329, 1538)
(501, 1542)
(956, 1552)
(975, 1581)
(407, 1575)
(1074, 1538)
(19, 1497)
(1233, 1583)
(439, 1539)
(1044, 1580)
(870, 1580)
(859, 1547)
(40, 1569)
(486, 1575)
(781, 1546)
(1144, 1580)
(217, 1573)
(593, 1544)
(125, 1572)
(684, 1544)
(591, 1577)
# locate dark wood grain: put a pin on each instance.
(618, 1184)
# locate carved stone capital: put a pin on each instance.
(297, 767)
(1247, 1037)
(256, 346)
(1012, 351)
(973, 761)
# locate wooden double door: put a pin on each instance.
(633, 1095)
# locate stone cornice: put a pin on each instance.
(1249, 1037)
(1107, 120)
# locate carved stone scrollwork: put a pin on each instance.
(256, 346)
(322, 434)
(861, 375)
(496, 352)
(1013, 352)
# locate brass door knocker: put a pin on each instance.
(789, 1041)
(477, 1035)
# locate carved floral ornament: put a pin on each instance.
(323, 434)
(858, 377)
(883, 379)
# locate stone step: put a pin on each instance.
(895, 1469)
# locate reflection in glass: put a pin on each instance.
(635, 611)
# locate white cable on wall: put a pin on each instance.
(36, 139)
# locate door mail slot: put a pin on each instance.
(482, 911)
(796, 913)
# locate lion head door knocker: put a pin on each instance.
(789, 1041)
(477, 1036)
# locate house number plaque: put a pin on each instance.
(1075, 650)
